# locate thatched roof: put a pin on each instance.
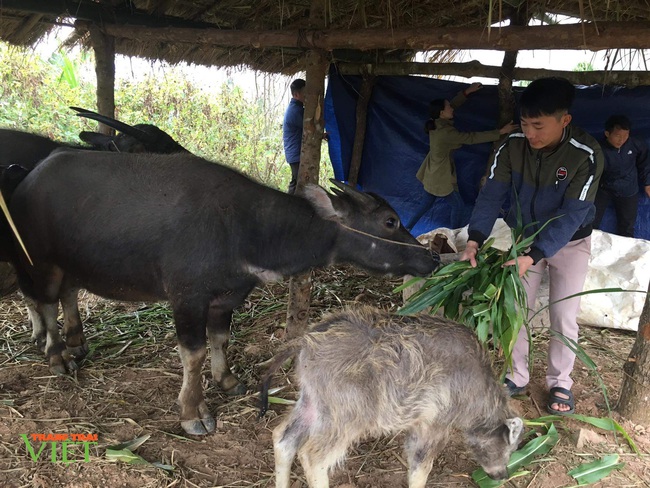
(24, 22)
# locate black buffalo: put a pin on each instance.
(21, 151)
(194, 233)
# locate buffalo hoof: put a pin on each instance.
(237, 390)
(40, 342)
(79, 352)
(199, 427)
(60, 365)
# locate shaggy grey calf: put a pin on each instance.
(365, 372)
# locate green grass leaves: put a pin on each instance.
(588, 473)
(124, 453)
(489, 298)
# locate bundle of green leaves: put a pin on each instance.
(489, 298)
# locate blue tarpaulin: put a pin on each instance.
(396, 143)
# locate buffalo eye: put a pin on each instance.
(392, 223)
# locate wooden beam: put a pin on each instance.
(98, 12)
(604, 35)
(475, 68)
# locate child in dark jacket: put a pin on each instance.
(552, 170)
(627, 166)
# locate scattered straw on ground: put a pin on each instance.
(129, 382)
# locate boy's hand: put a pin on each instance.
(470, 252)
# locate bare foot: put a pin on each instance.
(561, 407)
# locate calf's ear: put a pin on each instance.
(515, 428)
(321, 202)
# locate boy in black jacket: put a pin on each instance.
(626, 165)
(552, 169)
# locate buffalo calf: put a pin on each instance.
(366, 372)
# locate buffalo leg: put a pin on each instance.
(218, 326)
(221, 373)
(422, 446)
(39, 331)
(190, 318)
(59, 359)
(195, 415)
(72, 327)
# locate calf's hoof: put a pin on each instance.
(199, 427)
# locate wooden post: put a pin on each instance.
(312, 138)
(634, 402)
(506, 97)
(506, 75)
(104, 47)
(360, 131)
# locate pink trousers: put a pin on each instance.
(567, 272)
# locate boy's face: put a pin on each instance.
(617, 136)
(545, 131)
(300, 95)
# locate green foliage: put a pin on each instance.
(68, 68)
(584, 66)
(489, 298)
(33, 97)
(223, 126)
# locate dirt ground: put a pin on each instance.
(128, 385)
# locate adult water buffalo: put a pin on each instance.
(195, 233)
(26, 149)
(22, 151)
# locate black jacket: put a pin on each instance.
(625, 168)
(560, 183)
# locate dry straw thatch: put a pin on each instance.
(21, 26)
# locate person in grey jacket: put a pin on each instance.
(551, 171)
(627, 166)
(438, 170)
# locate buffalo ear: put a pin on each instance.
(95, 139)
(515, 427)
(321, 201)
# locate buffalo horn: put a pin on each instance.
(352, 192)
(115, 124)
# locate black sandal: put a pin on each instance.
(554, 398)
(513, 390)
